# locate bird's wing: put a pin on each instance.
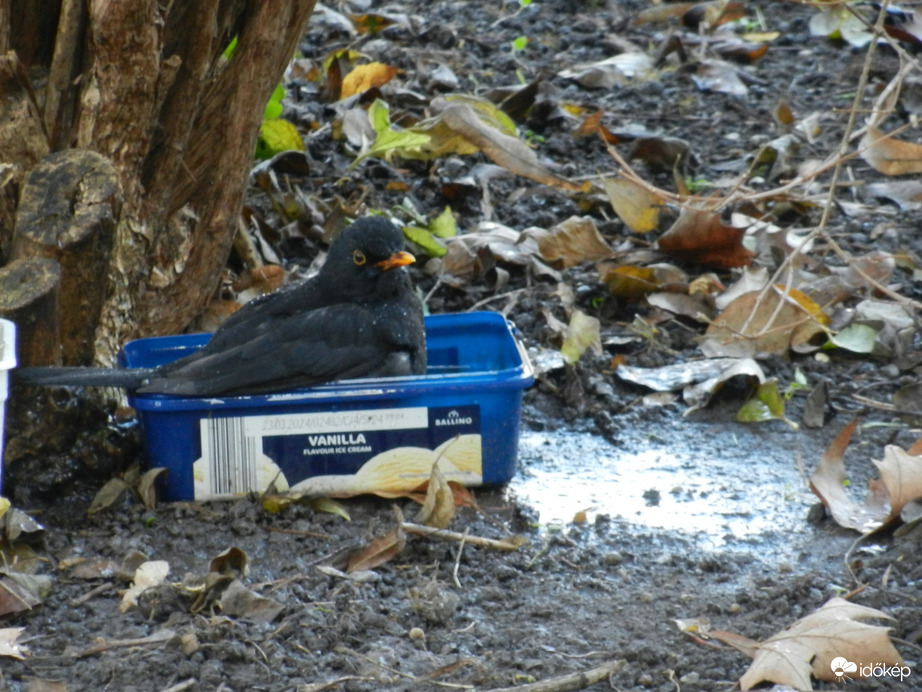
(336, 342)
(260, 314)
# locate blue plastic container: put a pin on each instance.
(380, 435)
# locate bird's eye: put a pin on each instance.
(358, 257)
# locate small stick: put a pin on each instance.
(507, 544)
(454, 572)
(571, 681)
(91, 594)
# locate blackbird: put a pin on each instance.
(357, 317)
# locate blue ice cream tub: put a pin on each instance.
(374, 435)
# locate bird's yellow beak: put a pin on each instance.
(398, 259)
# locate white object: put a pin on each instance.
(7, 363)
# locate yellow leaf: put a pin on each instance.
(276, 136)
(583, 332)
(634, 204)
(364, 77)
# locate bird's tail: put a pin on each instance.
(45, 376)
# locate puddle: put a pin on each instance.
(719, 486)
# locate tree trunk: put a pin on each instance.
(146, 86)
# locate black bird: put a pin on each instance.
(357, 317)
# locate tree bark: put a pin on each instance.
(147, 87)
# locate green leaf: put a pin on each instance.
(231, 47)
(519, 43)
(444, 225)
(857, 338)
(425, 239)
(276, 136)
(274, 107)
(767, 404)
(388, 141)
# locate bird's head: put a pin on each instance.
(367, 256)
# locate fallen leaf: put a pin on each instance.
(890, 156)
(108, 495)
(439, 506)
(147, 488)
(610, 72)
(631, 283)
(634, 204)
(810, 646)
(700, 237)
(906, 194)
(371, 23)
(379, 551)
(232, 562)
(239, 601)
(504, 149)
(364, 77)
(698, 380)
(149, 574)
(571, 242)
(757, 324)
(660, 154)
(766, 404)
(330, 506)
(841, 22)
(900, 482)
(716, 75)
(592, 125)
(9, 644)
(582, 332)
(16, 598)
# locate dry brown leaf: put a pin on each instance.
(380, 550)
(149, 574)
(239, 601)
(147, 486)
(754, 325)
(900, 482)
(9, 644)
(699, 236)
(439, 506)
(660, 154)
(571, 242)
(505, 150)
(900, 478)
(811, 644)
(592, 125)
(108, 495)
(232, 562)
(890, 156)
(16, 598)
(634, 204)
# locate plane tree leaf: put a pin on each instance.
(812, 644)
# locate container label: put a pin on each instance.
(338, 453)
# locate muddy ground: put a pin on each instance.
(695, 516)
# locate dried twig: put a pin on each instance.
(572, 681)
(507, 544)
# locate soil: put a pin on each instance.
(687, 516)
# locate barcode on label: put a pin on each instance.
(231, 456)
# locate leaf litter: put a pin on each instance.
(801, 302)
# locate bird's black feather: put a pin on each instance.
(358, 317)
